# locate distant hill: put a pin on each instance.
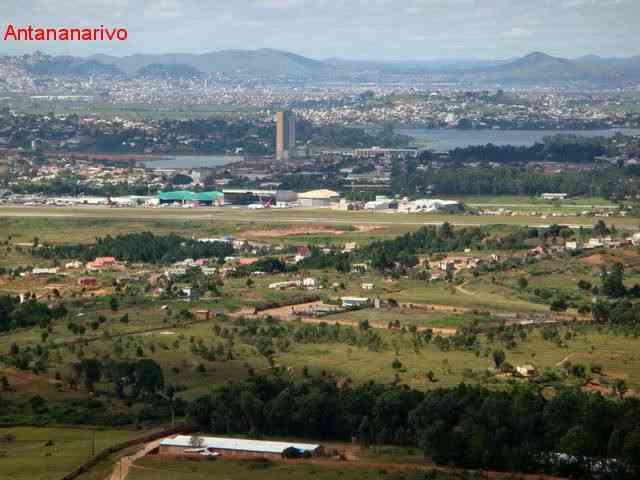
(68, 65)
(538, 67)
(408, 66)
(253, 62)
(534, 68)
(161, 70)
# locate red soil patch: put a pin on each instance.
(289, 231)
(626, 257)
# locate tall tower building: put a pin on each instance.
(285, 135)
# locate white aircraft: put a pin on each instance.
(205, 451)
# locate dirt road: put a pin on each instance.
(122, 467)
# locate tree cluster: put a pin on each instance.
(140, 247)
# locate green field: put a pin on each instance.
(126, 110)
(151, 468)
(29, 458)
(172, 349)
(307, 217)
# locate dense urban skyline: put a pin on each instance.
(431, 29)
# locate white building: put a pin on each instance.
(186, 444)
(282, 285)
(554, 196)
(354, 302)
(527, 370)
(431, 206)
(318, 198)
(44, 271)
(309, 283)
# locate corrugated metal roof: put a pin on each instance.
(322, 194)
(188, 196)
(237, 444)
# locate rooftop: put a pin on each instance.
(237, 444)
(322, 193)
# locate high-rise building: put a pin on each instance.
(285, 135)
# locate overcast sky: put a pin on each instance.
(359, 29)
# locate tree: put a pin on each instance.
(523, 283)
(600, 229)
(584, 285)
(364, 432)
(450, 272)
(148, 376)
(613, 281)
(620, 387)
(559, 304)
(91, 368)
(114, 304)
(498, 357)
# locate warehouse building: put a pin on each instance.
(240, 196)
(186, 196)
(318, 198)
(355, 302)
(181, 445)
(431, 206)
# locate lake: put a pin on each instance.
(436, 139)
(192, 161)
(446, 139)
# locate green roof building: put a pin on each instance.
(185, 196)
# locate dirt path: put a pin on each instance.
(461, 289)
(122, 467)
(565, 359)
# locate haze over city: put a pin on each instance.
(361, 29)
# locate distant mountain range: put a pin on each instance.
(539, 67)
(534, 68)
(252, 62)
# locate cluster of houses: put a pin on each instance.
(100, 264)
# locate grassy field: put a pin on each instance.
(522, 200)
(85, 229)
(128, 111)
(307, 216)
(29, 458)
(172, 348)
(160, 469)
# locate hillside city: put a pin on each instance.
(221, 262)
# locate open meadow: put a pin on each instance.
(45, 453)
(314, 216)
(151, 468)
(443, 316)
